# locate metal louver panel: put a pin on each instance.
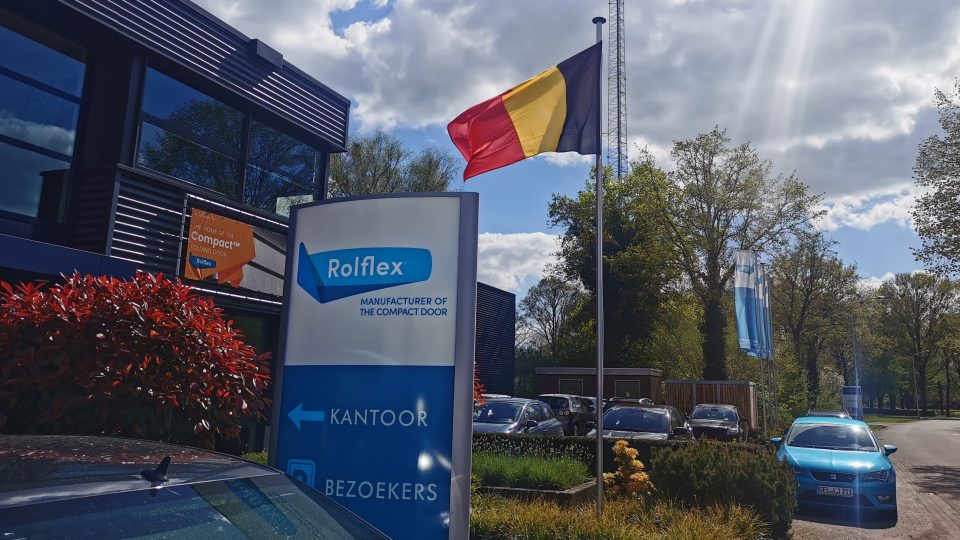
(496, 316)
(147, 226)
(190, 37)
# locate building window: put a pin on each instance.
(627, 389)
(281, 171)
(189, 135)
(570, 386)
(40, 89)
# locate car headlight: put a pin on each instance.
(877, 476)
(734, 429)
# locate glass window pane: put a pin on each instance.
(192, 111)
(273, 192)
(23, 177)
(40, 63)
(36, 117)
(165, 152)
(281, 153)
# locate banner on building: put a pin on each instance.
(376, 378)
(233, 253)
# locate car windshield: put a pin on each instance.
(713, 413)
(556, 403)
(635, 419)
(831, 437)
(497, 412)
(263, 507)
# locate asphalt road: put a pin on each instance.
(927, 462)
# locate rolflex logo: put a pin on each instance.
(332, 275)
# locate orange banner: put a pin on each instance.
(218, 247)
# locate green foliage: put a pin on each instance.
(629, 480)
(494, 518)
(705, 473)
(546, 316)
(720, 197)
(379, 163)
(256, 457)
(581, 449)
(498, 470)
(635, 253)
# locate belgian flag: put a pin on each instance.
(556, 111)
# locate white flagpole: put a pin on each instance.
(599, 193)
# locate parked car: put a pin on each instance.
(572, 411)
(721, 422)
(641, 402)
(592, 402)
(838, 462)
(494, 396)
(644, 423)
(516, 415)
(105, 487)
(828, 414)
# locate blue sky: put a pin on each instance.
(839, 92)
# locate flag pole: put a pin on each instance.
(598, 21)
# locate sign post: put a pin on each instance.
(374, 400)
(853, 402)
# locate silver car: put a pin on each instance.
(516, 415)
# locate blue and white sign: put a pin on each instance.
(853, 401)
(376, 388)
(745, 299)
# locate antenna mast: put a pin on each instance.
(616, 93)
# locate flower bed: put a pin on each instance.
(498, 470)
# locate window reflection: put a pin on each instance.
(39, 106)
(189, 135)
(186, 160)
(283, 171)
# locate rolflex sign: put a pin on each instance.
(376, 386)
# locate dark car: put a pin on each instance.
(644, 423)
(516, 415)
(638, 402)
(573, 412)
(715, 421)
(104, 487)
(824, 413)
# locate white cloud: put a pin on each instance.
(866, 211)
(567, 159)
(874, 282)
(514, 262)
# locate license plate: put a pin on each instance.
(835, 491)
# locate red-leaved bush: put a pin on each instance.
(143, 358)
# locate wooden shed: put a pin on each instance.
(617, 382)
(742, 394)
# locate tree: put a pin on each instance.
(636, 255)
(379, 163)
(722, 197)
(936, 213)
(917, 313)
(813, 295)
(547, 313)
(143, 358)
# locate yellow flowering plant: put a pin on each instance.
(629, 480)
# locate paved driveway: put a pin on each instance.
(928, 489)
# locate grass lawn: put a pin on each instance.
(493, 518)
(497, 470)
(873, 419)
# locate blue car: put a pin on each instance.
(837, 462)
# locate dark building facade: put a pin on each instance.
(149, 135)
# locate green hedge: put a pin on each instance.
(707, 473)
(529, 472)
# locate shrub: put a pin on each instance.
(528, 472)
(580, 448)
(256, 457)
(142, 358)
(706, 473)
(629, 480)
(493, 518)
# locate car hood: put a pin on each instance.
(632, 435)
(841, 461)
(490, 427)
(708, 423)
